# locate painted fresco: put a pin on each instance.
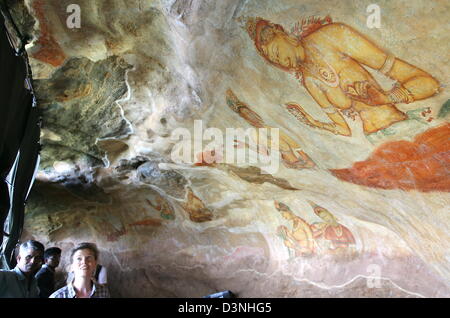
(328, 60)
(196, 209)
(319, 237)
(291, 153)
(362, 188)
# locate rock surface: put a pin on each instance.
(114, 91)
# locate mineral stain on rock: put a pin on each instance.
(196, 209)
(49, 50)
(147, 222)
(82, 109)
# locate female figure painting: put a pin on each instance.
(324, 237)
(334, 236)
(291, 153)
(300, 239)
(329, 59)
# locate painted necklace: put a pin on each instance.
(326, 73)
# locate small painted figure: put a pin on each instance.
(300, 239)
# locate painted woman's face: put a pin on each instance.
(281, 51)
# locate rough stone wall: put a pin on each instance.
(114, 90)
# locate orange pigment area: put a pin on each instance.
(49, 50)
(422, 165)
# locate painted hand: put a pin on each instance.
(365, 92)
(282, 231)
(277, 205)
(299, 113)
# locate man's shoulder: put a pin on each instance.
(44, 271)
(6, 270)
(9, 284)
(7, 273)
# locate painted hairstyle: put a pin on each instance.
(283, 207)
(262, 32)
(236, 105)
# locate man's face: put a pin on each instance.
(53, 261)
(29, 260)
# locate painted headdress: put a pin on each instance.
(281, 206)
(255, 28)
(262, 31)
(307, 26)
(233, 102)
(315, 207)
(236, 105)
(259, 29)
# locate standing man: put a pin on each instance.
(46, 275)
(20, 282)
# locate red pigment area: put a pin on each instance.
(49, 50)
(422, 165)
(149, 221)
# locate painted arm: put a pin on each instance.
(289, 215)
(288, 145)
(337, 126)
(412, 83)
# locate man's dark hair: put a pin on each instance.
(32, 244)
(84, 246)
(52, 251)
